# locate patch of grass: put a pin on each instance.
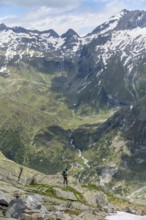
(47, 190)
(122, 203)
(116, 200)
(42, 189)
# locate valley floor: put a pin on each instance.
(125, 216)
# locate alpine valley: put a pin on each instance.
(78, 102)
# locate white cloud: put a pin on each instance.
(48, 3)
(60, 19)
(44, 18)
(114, 6)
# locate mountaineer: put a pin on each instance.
(65, 176)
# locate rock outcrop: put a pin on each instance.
(26, 194)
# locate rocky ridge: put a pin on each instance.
(27, 194)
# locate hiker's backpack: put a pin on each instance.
(64, 173)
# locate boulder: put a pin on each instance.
(30, 206)
(5, 199)
(96, 198)
(16, 208)
(34, 202)
(64, 194)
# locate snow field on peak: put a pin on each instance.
(128, 43)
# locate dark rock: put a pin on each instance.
(16, 208)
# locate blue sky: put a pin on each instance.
(81, 15)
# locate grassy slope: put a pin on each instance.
(29, 106)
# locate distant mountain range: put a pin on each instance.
(92, 65)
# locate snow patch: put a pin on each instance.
(125, 216)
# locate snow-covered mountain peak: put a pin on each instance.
(51, 33)
(70, 34)
(125, 20)
(2, 26)
(17, 29)
(132, 20)
(118, 16)
(110, 24)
